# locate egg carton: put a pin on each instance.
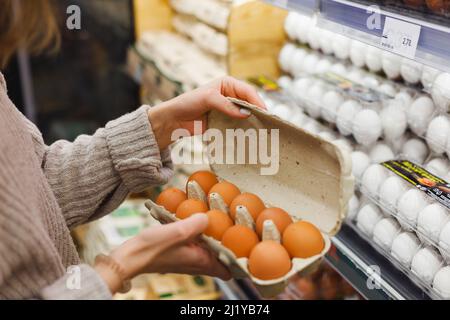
(212, 12)
(320, 196)
(409, 205)
(204, 36)
(421, 263)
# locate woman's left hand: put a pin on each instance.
(182, 111)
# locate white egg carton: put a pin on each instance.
(212, 12)
(314, 183)
(421, 263)
(411, 207)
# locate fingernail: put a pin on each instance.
(245, 112)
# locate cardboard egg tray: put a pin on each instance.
(313, 183)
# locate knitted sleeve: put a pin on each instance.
(93, 175)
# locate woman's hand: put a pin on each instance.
(182, 111)
(171, 248)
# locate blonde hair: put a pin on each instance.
(30, 24)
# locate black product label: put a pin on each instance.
(353, 89)
(433, 186)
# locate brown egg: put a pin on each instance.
(205, 179)
(280, 217)
(303, 240)
(171, 199)
(252, 202)
(227, 190)
(269, 260)
(219, 222)
(439, 6)
(190, 207)
(328, 287)
(240, 240)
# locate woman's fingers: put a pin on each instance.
(219, 102)
(239, 89)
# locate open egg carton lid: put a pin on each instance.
(313, 181)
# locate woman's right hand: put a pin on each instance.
(171, 248)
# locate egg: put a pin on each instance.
(269, 260)
(385, 232)
(346, 113)
(303, 240)
(325, 41)
(344, 144)
(415, 150)
(411, 71)
(438, 6)
(371, 82)
(323, 66)
(360, 162)
(381, 152)
(314, 35)
(339, 69)
(372, 179)
(437, 134)
(441, 282)
(404, 247)
(282, 111)
(373, 59)
(290, 24)
(341, 46)
(218, 223)
(280, 218)
(388, 89)
(398, 144)
(367, 127)
(420, 114)
(368, 216)
(311, 127)
(205, 179)
(331, 102)
(315, 96)
(298, 60)
(356, 75)
(444, 242)
(306, 288)
(251, 201)
(440, 91)
(391, 64)
(240, 240)
(393, 122)
(310, 63)
(425, 264)
(404, 99)
(170, 199)
(431, 221)
(353, 206)
(299, 119)
(409, 206)
(437, 166)
(286, 57)
(189, 207)
(304, 23)
(358, 53)
(391, 191)
(226, 190)
(301, 87)
(429, 74)
(285, 83)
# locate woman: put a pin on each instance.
(47, 190)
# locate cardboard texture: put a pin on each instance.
(314, 183)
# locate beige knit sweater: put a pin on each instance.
(47, 190)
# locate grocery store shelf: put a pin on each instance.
(356, 260)
(307, 7)
(358, 20)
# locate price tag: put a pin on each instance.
(279, 3)
(400, 37)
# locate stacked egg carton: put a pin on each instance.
(422, 262)
(205, 22)
(428, 89)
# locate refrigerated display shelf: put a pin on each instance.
(351, 18)
(369, 272)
